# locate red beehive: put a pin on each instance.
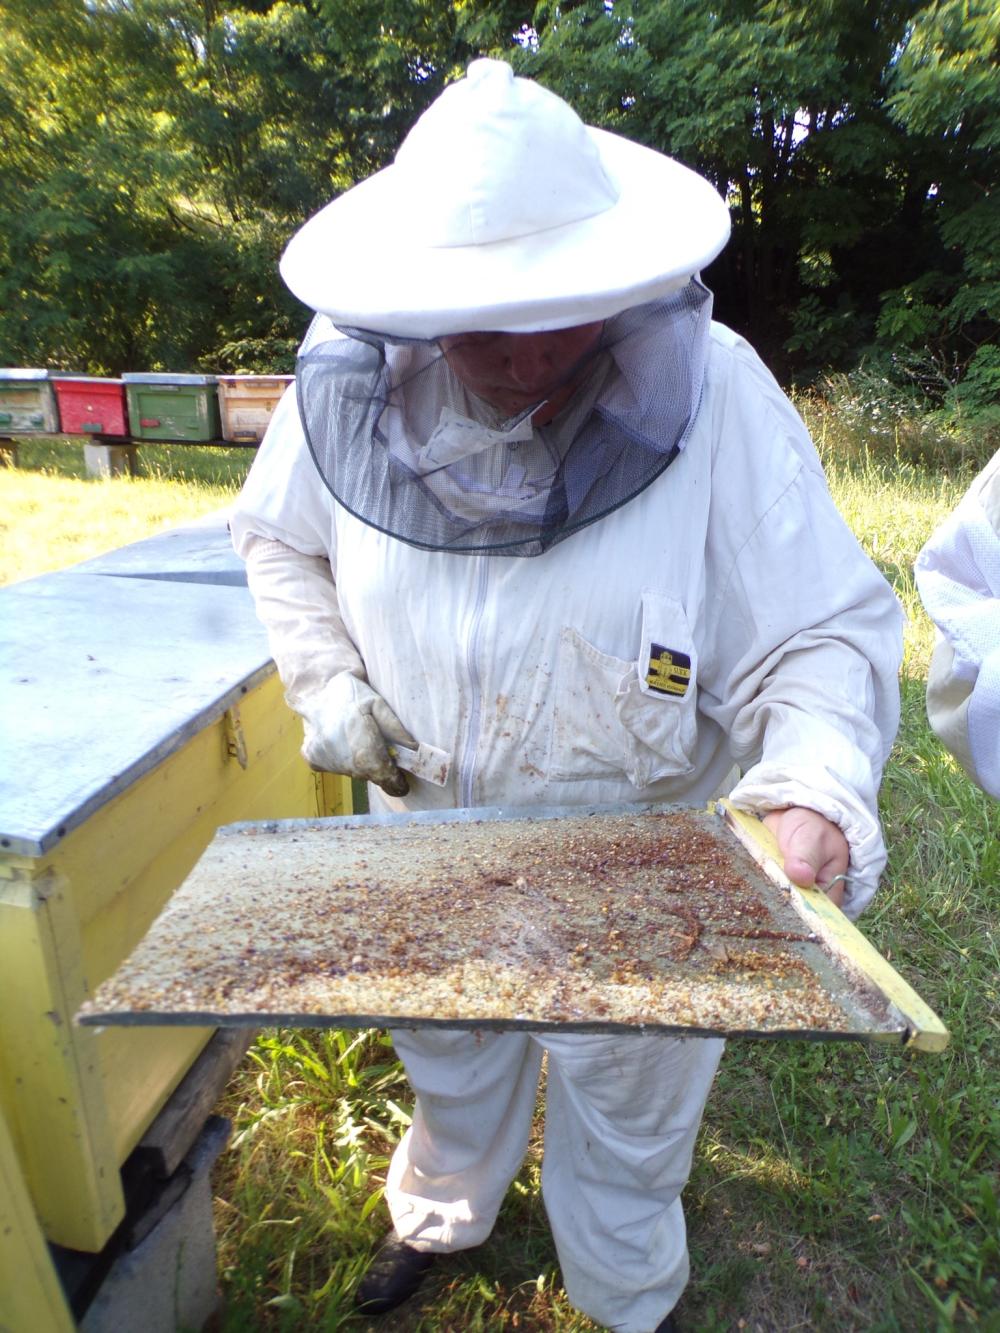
(91, 406)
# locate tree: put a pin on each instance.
(944, 92)
(779, 104)
(91, 266)
(157, 155)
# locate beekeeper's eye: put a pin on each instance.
(454, 342)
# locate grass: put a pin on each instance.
(834, 1187)
(53, 515)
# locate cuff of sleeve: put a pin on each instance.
(769, 787)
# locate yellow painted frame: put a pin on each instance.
(925, 1031)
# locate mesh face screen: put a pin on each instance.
(406, 448)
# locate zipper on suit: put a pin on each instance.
(472, 642)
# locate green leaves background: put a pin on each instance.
(155, 156)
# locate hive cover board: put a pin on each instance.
(605, 919)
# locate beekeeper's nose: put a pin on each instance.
(528, 359)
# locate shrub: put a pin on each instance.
(868, 413)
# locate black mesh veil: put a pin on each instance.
(406, 448)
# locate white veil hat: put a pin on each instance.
(504, 211)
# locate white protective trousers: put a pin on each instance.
(622, 1115)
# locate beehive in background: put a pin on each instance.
(27, 403)
(246, 403)
(164, 406)
(89, 405)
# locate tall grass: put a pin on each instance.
(866, 415)
(834, 1187)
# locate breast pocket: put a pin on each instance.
(638, 716)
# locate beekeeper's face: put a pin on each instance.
(513, 370)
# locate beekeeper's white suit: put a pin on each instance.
(958, 576)
(533, 676)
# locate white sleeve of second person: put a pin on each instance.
(808, 647)
(958, 577)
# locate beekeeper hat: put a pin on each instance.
(502, 210)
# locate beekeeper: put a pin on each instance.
(536, 529)
(958, 578)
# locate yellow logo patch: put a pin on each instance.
(669, 671)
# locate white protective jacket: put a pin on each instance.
(531, 673)
(958, 577)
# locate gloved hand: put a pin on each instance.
(348, 729)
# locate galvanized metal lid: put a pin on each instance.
(108, 669)
(58, 377)
(165, 377)
(199, 552)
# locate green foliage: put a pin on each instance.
(817, 324)
(975, 398)
(945, 94)
(909, 316)
(779, 105)
(850, 139)
(156, 155)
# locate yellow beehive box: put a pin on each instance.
(30, 1294)
(141, 711)
(246, 403)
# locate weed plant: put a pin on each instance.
(835, 1187)
(866, 415)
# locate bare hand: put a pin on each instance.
(813, 849)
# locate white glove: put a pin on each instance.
(348, 729)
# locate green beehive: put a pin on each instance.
(172, 407)
(27, 403)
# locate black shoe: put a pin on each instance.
(392, 1277)
(667, 1325)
